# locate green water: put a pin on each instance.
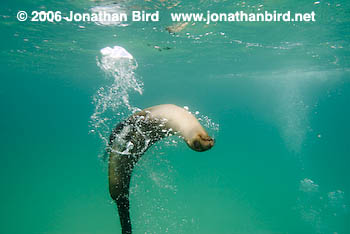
(280, 93)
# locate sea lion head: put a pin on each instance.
(200, 142)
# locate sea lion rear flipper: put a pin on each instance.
(119, 174)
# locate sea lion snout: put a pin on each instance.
(202, 143)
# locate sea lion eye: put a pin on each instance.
(196, 144)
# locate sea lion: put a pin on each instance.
(133, 136)
(176, 27)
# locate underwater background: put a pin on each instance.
(274, 95)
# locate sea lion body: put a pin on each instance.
(132, 137)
